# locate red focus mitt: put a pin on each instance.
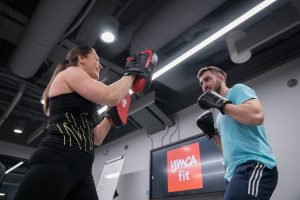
(117, 115)
(142, 66)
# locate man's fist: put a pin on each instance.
(206, 123)
(212, 100)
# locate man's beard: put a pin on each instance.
(218, 87)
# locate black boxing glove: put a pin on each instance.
(206, 123)
(212, 100)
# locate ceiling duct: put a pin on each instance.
(46, 27)
(172, 19)
(13, 30)
(271, 26)
(13, 179)
(13, 104)
(11, 13)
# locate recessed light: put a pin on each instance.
(18, 131)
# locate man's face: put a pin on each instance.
(210, 81)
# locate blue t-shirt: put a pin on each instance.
(241, 142)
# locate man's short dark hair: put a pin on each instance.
(212, 69)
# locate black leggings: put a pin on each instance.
(55, 175)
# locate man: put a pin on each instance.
(250, 164)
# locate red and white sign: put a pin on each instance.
(184, 168)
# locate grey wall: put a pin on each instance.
(282, 122)
(281, 106)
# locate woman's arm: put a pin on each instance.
(80, 82)
(101, 131)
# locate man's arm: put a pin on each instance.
(250, 112)
(217, 140)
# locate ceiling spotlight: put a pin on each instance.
(109, 27)
(18, 130)
(19, 127)
(2, 196)
(108, 37)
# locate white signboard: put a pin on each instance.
(109, 178)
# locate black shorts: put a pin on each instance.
(252, 181)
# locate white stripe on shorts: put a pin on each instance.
(255, 176)
(257, 184)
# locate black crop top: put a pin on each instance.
(72, 120)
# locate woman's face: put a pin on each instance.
(92, 65)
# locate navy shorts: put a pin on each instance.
(252, 181)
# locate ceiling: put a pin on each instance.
(35, 36)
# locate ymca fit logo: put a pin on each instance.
(75, 129)
(184, 168)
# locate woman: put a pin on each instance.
(61, 167)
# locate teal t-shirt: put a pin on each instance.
(241, 142)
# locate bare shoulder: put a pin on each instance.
(80, 82)
(60, 85)
(73, 71)
(75, 79)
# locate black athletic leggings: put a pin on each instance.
(58, 173)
